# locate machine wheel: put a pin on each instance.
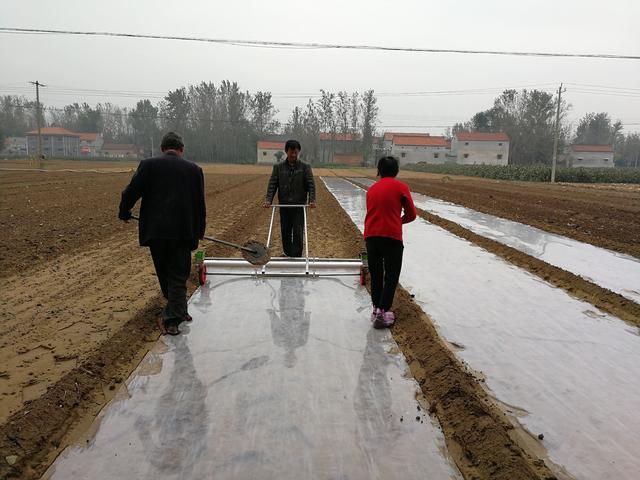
(363, 276)
(202, 274)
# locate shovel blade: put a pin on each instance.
(259, 254)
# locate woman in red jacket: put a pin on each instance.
(386, 201)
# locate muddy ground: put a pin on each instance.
(79, 301)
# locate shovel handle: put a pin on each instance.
(229, 244)
(217, 240)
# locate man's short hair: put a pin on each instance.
(292, 144)
(388, 166)
(171, 141)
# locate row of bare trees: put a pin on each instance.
(341, 115)
(220, 123)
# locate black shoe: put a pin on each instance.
(171, 327)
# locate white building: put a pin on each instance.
(56, 142)
(478, 148)
(590, 156)
(424, 148)
(267, 151)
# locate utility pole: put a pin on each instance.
(556, 137)
(152, 145)
(38, 85)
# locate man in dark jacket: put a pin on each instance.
(172, 220)
(293, 180)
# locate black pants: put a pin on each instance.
(172, 259)
(385, 262)
(292, 230)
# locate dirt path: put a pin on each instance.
(80, 322)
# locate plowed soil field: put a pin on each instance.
(79, 299)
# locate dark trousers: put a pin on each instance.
(172, 259)
(385, 262)
(292, 230)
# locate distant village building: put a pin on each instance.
(336, 146)
(479, 148)
(56, 142)
(590, 156)
(14, 146)
(90, 144)
(387, 139)
(267, 152)
(118, 150)
(420, 148)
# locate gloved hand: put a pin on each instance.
(126, 216)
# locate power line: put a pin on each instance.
(313, 45)
(604, 86)
(72, 91)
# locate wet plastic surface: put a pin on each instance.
(615, 271)
(564, 368)
(275, 378)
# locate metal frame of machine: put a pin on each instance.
(282, 266)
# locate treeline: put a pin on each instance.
(220, 123)
(528, 117)
(341, 115)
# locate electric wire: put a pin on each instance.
(315, 45)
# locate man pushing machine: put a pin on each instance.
(293, 180)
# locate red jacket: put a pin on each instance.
(386, 199)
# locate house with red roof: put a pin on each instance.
(581, 155)
(387, 139)
(481, 148)
(417, 148)
(56, 142)
(90, 144)
(267, 151)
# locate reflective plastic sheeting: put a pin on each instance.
(275, 378)
(615, 271)
(566, 369)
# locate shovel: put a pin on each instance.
(253, 252)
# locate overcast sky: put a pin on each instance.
(576, 26)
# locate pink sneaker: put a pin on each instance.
(374, 314)
(384, 319)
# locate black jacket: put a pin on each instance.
(173, 206)
(295, 187)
